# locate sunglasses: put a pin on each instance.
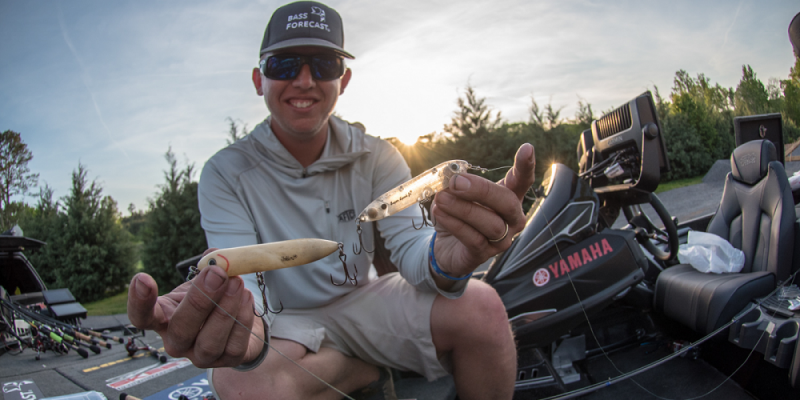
(284, 67)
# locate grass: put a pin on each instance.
(664, 186)
(117, 304)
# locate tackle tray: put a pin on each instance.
(770, 328)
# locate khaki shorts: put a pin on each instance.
(385, 323)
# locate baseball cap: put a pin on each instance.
(304, 23)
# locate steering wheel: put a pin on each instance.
(647, 233)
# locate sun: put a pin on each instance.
(408, 140)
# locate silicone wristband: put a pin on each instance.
(261, 356)
(432, 260)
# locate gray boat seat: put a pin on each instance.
(756, 215)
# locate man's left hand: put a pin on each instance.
(476, 218)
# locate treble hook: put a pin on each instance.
(424, 218)
(356, 250)
(261, 287)
(347, 277)
(194, 271)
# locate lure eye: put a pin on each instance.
(212, 261)
(372, 213)
(384, 206)
(454, 166)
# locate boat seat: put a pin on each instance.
(756, 215)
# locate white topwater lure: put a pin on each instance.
(271, 256)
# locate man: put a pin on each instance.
(304, 173)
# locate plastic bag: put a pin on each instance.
(707, 252)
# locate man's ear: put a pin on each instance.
(345, 80)
(257, 81)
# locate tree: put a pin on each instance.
(43, 222)
(235, 133)
(15, 177)
(791, 95)
(751, 97)
(709, 110)
(584, 114)
(172, 231)
(536, 116)
(98, 254)
(87, 251)
(473, 117)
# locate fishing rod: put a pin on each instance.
(76, 331)
(102, 335)
(66, 337)
(133, 348)
(91, 346)
(68, 340)
(87, 338)
(62, 344)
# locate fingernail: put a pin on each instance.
(461, 183)
(142, 290)
(214, 279)
(233, 287)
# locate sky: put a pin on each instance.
(113, 85)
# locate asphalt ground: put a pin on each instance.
(65, 374)
(695, 201)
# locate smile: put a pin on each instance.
(301, 103)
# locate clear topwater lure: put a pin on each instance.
(418, 189)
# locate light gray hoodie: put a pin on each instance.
(254, 191)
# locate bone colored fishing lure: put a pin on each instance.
(269, 256)
(420, 188)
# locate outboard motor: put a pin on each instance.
(560, 263)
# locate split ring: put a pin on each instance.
(501, 237)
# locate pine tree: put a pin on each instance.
(172, 230)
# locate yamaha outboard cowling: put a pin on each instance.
(563, 262)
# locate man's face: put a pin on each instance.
(300, 107)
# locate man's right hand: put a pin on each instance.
(193, 326)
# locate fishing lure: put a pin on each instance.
(267, 256)
(418, 189)
(271, 256)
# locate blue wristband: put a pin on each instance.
(435, 266)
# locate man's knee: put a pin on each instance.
(480, 303)
(258, 383)
(479, 314)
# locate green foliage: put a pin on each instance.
(751, 96)
(172, 230)
(696, 121)
(87, 249)
(791, 110)
(235, 133)
(474, 136)
(42, 222)
(15, 177)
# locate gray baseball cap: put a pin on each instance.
(304, 23)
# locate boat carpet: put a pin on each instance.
(680, 378)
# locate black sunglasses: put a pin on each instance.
(284, 67)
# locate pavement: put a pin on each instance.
(695, 201)
(68, 374)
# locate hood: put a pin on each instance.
(345, 144)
